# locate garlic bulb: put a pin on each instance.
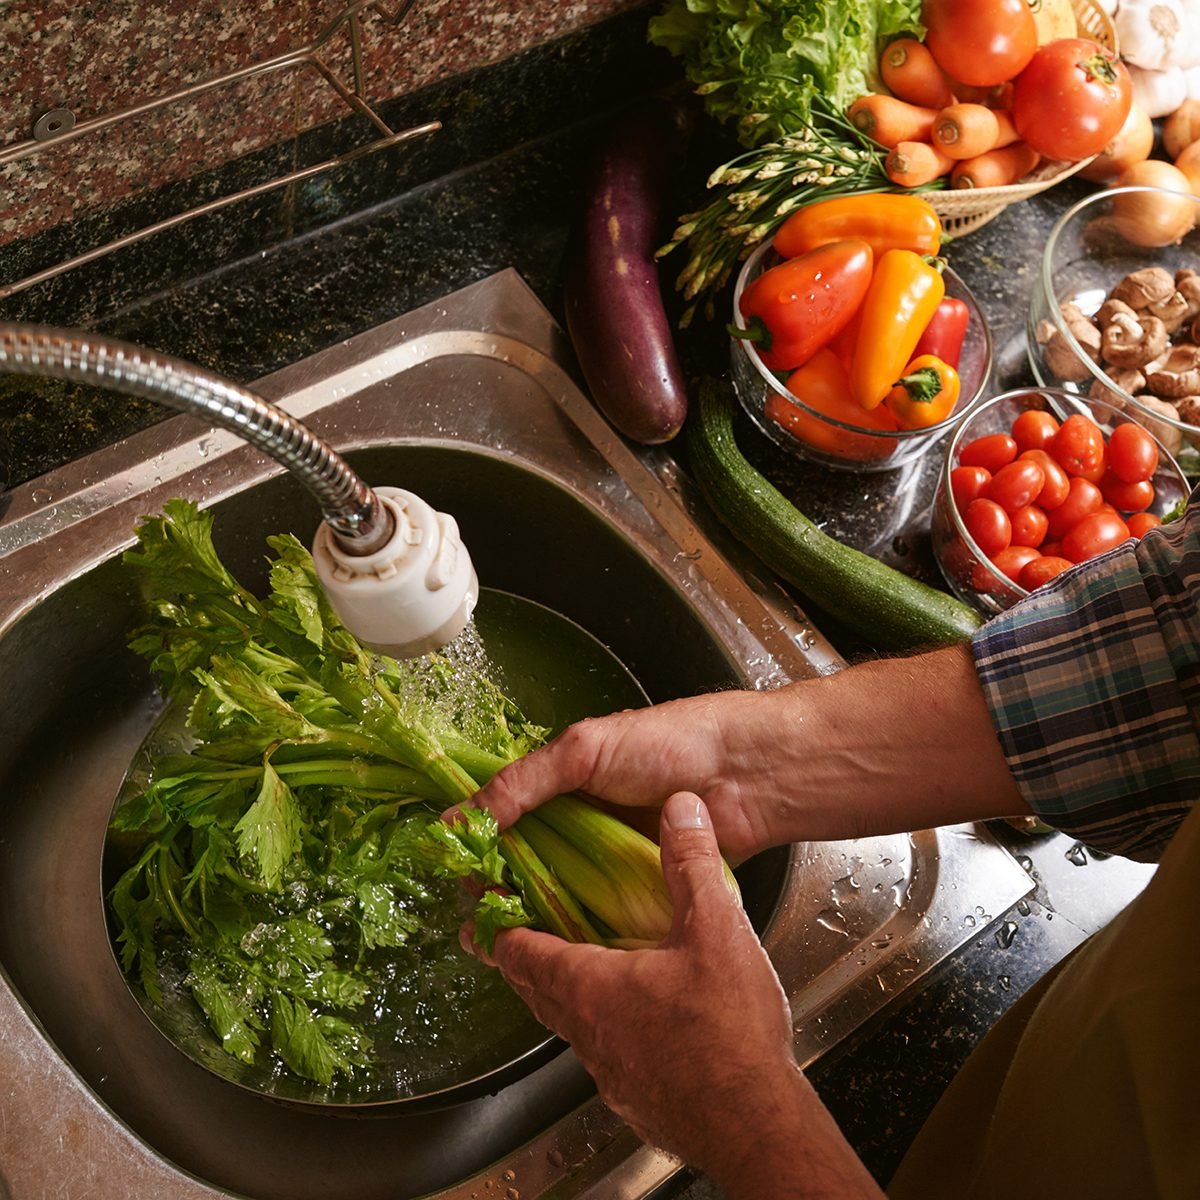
(1153, 33)
(1158, 93)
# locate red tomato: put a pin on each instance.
(1029, 526)
(1058, 482)
(992, 451)
(1078, 446)
(967, 484)
(1051, 548)
(1016, 485)
(983, 43)
(1033, 429)
(1084, 498)
(1041, 570)
(1014, 560)
(1072, 99)
(1126, 497)
(1092, 535)
(989, 525)
(1141, 523)
(1132, 453)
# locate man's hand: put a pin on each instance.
(882, 747)
(691, 1043)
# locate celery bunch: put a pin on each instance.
(295, 848)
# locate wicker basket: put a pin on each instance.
(965, 209)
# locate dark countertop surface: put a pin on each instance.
(284, 276)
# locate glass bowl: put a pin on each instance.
(1090, 250)
(827, 440)
(971, 575)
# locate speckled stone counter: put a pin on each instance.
(288, 275)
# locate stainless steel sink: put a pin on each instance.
(468, 403)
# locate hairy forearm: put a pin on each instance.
(794, 1152)
(892, 745)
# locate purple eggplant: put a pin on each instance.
(613, 296)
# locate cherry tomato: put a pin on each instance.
(1084, 498)
(1013, 560)
(983, 43)
(1079, 446)
(989, 525)
(1092, 535)
(967, 484)
(1041, 570)
(992, 451)
(1058, 482)
(1126, 497)
(1033, 429)
(1141, 523)
(1051, 548)
(1132, 453)
(1029, 526)
(1072, 99)
(1016, 485)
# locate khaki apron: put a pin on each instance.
(1089, 1087)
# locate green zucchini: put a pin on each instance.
(883, 606)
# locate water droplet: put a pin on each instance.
(40, 496)
(969, 921)
(833, 920)
(844, 890)
(881, 943)
(554, 1158)
(1025, 862)
(1023, 908)
(1005, 934)
(508, 1176)
(1004, 981)
(203, 446)
(1077, 856)
(512, 1194)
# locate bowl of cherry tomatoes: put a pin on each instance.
(802, 391)
(1037, 480)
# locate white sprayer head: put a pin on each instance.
(411, 596)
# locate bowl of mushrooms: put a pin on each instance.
(1115, 313)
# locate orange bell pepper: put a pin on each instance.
(884, 220)
(926, 393)
(904, 294)
(822, 387)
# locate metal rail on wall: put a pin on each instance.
(58, 126)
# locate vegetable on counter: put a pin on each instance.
(884, 221)
(946, 331)
(612, 292)
(764, 67)
(885, 607)
(925, 394)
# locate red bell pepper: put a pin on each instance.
(794, 309)
(944, 335)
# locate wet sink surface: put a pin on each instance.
(466, 403)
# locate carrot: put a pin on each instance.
(890, 121)
(910, 73)
(996, 168)
(911, 164)
(966, 130)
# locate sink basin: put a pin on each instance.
(466, 402)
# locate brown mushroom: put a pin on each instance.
(1109, 309)
(1129, 379)
(1188, 285)
(1064, 359)
(1133, 341)
(1172, 311)
(1179, 375)
(1170, 435)
(1150, 285)
(1189, 410)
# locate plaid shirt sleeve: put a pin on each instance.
(1094, 687)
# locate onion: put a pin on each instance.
(1181, 128)
(1132, 144)
(1156, 218)
(1189, 163)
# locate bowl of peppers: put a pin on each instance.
(854, 344)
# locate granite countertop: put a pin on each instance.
(290, 275)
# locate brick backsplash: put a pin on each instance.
(98, 58)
